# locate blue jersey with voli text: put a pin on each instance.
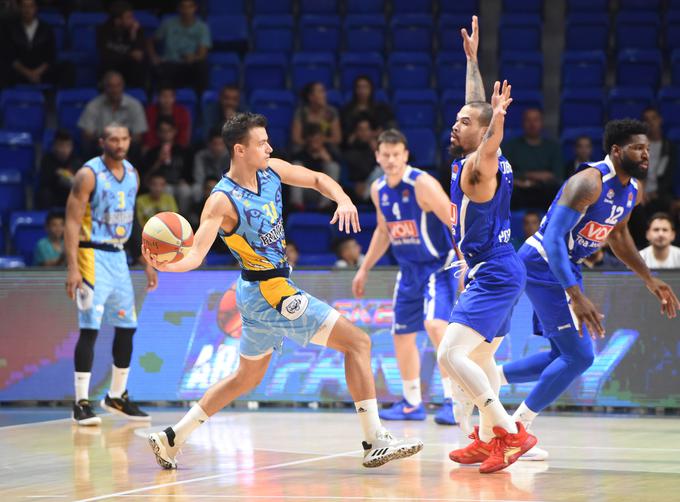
(592, 230)
(416, 236)
(480, 228)
(258, 240)
(110, 211)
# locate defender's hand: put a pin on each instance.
(359, 283)
(669, 302)
(500, 98)
(471, 42)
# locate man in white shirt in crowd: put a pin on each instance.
(660, 234)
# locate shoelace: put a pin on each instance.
(461, 265)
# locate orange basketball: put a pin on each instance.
(168, 236)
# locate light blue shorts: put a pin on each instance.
(277, 308)
(107, 293)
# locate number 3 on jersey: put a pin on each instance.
(121, 200)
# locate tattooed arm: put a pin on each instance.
(474, 86)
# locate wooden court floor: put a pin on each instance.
(314, 456)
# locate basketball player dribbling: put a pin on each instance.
(245, 209)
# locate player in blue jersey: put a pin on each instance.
(245, 209)
(481, 188)
(413, 217)
(591, 208)
(99, 215)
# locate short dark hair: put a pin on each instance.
(618, 132)
(214, 132)
(485, 112)
(363, 117)
(113, 125)
(307, 90)
(119, 7)
(54, 215)
(165, 119)
(62, 135)
(166, 86)
(583, 136)
(292, 243)
(157, 174)
(661, 216)
(340, 242)
(533, 212)
(237, 128)
(230, 87)
(311, 129)
(392, 137)
(651, 109)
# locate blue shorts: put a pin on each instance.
(277, 308)
(553, 315)
(423, 292)
(107, 293)
(492, 288)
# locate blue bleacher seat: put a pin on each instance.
(521, 100)
(312, 67)
(629, 102)
(85, 64)
(316, 259)
(23, 110)
(581, 108)
(311, 232)
(415, 108)
(277, 105)
(569, 136)
(587, 6)
(637, 30)
(672, 30)
(138, 94)
(16, 152)
(225, 69)
(520, 32)
(47, 139)
(379, 95)
(369, 222)
(448, 31)
(639, 5)
(228, 32)
(354, 64)
(451, 103)
(12, 192)
(70, 104)
(272, 7)
(422, 144)
(221, 7)
(467, 7)
(675, 67)
(26, 228)
(668, 101)
(278, 137)
(319, 33)
(318, 6)
(674, 136)
(273, 33)
(638, 67)
(583, 69)
(335, 98)
(82, 30)
(265, 71)
(444, 145)
(587, 32)
(364, 32)
(365, 6)
(451, 68)
(188, 98)
(409, 70)
(12, 262)
(412, 7)
(524, 70)
(411, 32)
(58, 25)
(148, 21)
(523, 6)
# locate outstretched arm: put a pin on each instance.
(474, 86)
(346, 214)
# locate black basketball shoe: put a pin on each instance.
(124, 407)
(83, 414)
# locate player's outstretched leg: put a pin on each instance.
(411, 406)
(379, 445)
(166, 444)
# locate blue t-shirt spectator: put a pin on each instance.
(180, 40)
(47, 253)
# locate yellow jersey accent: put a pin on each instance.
(86, 265)
(275, 289)
(250, 259)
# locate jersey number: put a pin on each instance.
(396, 211)
(270, 209)
(121, 200)
(616, 213)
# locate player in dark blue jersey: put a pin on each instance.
(414, 219)
(481, 187)
(591, 208)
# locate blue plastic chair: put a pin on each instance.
(629, 102)
(524, 70)
(310, 231)
(354, 64)
(277, 105)
(587, 6)
(638, 67)
(319, 33)
(148, 21)
(225, 69)
(316, 259)
(668, 101)
(412, 7)
(272, 7)
(422, 144)
(569, 136)
(639, 5)
(450, 68)
(12, 262)
(23, 110)
(520, 32)
(319, 7)
(26, 229)
(415, 108)
(16, 152)
(12, 192)
(409, 70)
(448, 32)
(523, 6)
(467, 7)
(273, 33)
(221, 7)
(58, 25)
(265, 71)
(583, 69)
(672, 30)
(582, 108)
(364, 32)
(365, 6)
(675, 67)
(521, 100)
(451, 102)
(82, 29)
(312, 67)
(412, 32)
(587, 32)
(637, 30)
(228, 32)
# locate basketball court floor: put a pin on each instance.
(314, 456)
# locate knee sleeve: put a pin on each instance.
(84, 353)
(122, 347)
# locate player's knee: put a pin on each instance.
(360, 343)
(581, 362)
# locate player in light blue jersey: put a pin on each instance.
(414, 219)
(591, 208)
(245, 209)
(99, 216)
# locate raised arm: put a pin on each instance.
(83, 186)
(474, 86)
(346, 214)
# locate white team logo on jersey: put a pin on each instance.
(385, 200)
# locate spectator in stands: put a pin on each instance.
(32, 50)
(171, 161)
(206, 188)
(359, 155)
(211, 162)
(363, 103)
(531, 221)
(57, 168)
(316, 110)
(315, 155)
(157, 200)
(348, 251)
(166, 106)
(603, 258)
(583, 152)
(228, 104)
(113, 105)
(185, 40)
(120, 45)
(660, 234)
(49, 251)
(292, 253)
(536, 161)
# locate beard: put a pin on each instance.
(633, 169)
(456, 151)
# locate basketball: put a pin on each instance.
(168, 236)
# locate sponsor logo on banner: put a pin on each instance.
(403, 232)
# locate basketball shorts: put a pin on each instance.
(275, 309)
(422, 292)
(553, 315)
(107, 293)
(492, 288)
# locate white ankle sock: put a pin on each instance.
(448, 388)
(525, 415)
(82, 385)
(119, 377)
(367, 410)
(189, 422)
(411, 391)
(501, 375)
(493, 413)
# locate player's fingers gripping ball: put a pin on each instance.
(168, 236)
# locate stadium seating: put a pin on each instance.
(409, 70)
(316, 259)
(416, 108)
(16, 152)
(23, 110)
(272, 6)
(412, 32)
(319, 33)
(668, 100)
(58, 25)
(466, 7)
(523, 69)
(637, 30)
(264, 71)
(364, 32)
(228, 32)
(448, 32)
(412, 7)
(450, 68)
(226, 7)
(365, 6)
(569, 136)
(277, 105)
(225, 69)
(451, 103)
(355, 64)
(273, 33)
(583, 69)
(12, 192)
(523, 6)
(629, 102)
(310, 67)
(26, 228)
(12, 262)
(82, 30)
(313, 230)
(520, 32)
(319, 6)
(587, 32)
(582, 108)
(638, 67)
(521, 100)
(422, 144)
(672, 30)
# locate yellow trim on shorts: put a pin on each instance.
(86, 264)
(273, 290)
(250, 259)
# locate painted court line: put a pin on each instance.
(329, 497)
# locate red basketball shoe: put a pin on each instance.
(506, 448)
(474, 453)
